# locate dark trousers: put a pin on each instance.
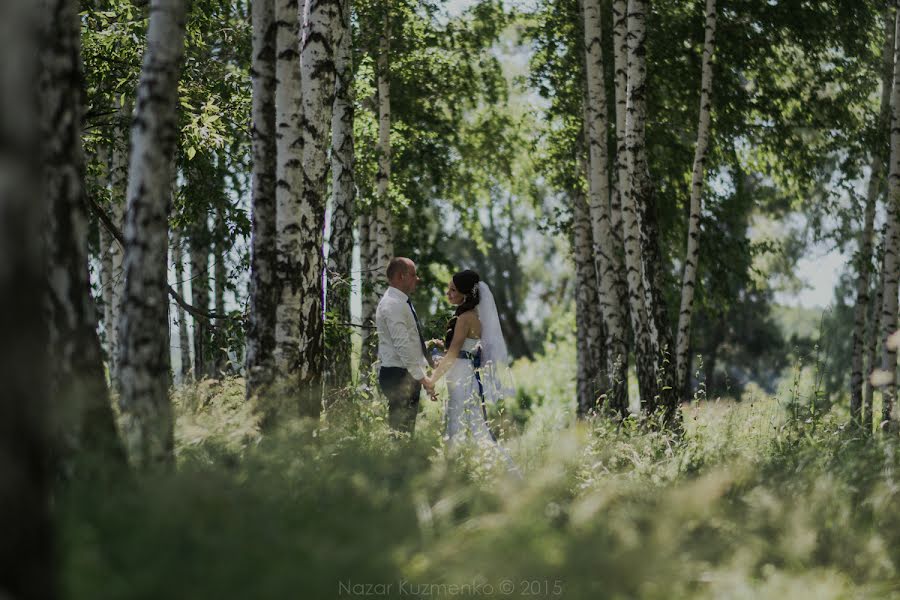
(402, 392)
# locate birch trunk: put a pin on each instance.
(891, 248)
(28, 557)
(588, 323)
(689, 275)
(340, 255)
(144, 402)
(369, 297)
(199, 250)
(289, 189)
(383, 219)
(264, 293)
(317, 76)
(106, 243)
(645, 354)
(872, 334)
(620, 67)
(864, 258)
(380, 238)
(220, 279)
(184, 343)
(118, 190)
(86, 427)
(606, 257)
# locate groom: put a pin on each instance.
(401, 347)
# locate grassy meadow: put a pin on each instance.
(763, 497)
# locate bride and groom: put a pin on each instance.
(475, 362)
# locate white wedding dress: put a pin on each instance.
(466, 414)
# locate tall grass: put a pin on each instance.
(756, 500)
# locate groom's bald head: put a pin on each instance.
(401, 274)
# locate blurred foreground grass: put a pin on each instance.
(764, 498)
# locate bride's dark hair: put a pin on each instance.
(466, 283)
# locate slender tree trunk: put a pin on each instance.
(86, 425)
(220, 279)
(689, 275)
(891, 249)
(118, 189)
(264, 292)
(289, 190)
(621, 191)
(28, 565)
(588, 321)
(199, 250)
(184, 342)
(605, 253)
(645, 354)
(864, 258)
(369, 294)
(106, 244)
(872, 335)
(145, 406)
(317, 77)
(380, 237)
(340, 255)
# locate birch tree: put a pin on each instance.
(85, 420)
(645, 354)
(317, 77)
(864, 256)
(28, 557)
(588, 318)
(380, 227)
(289, 188)
(118, 178)
(689, 274)
(343, 188)
(199, 251)
(184, 343)
(264, 294)
(891, 248)
(144, 401)
(873, 333)
(605, 253)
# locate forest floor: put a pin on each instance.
(767, 497)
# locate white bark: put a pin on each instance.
(383, 220)
(144, 401)
(85, 421)
(118, 190)
(891, 249)
(264, 292)
(317, 76)
(380, 229)
(689, 275)
(588, 320)
(864, 257)
(606, 256)
(184, 343)
(620, 67)
(645, 354)
(289, 188)
(340, 255)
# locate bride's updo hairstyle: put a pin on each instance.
(466, 283)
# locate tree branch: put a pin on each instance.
(117, 234)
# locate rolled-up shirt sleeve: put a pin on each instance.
(404, 335)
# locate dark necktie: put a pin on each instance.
(419, 331)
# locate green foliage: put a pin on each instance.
(749, 503)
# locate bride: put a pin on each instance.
(476, 360)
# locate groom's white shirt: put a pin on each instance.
(398, 338)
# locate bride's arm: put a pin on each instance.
(459, 337)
